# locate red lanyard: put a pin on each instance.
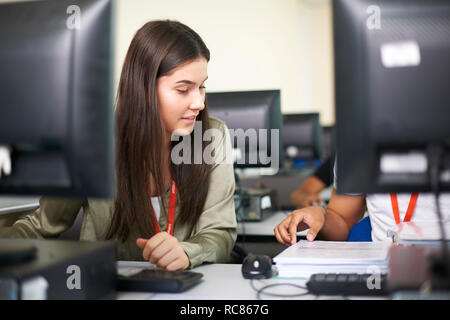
(171, 213)
(409, 211)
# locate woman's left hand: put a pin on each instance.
(165, 251)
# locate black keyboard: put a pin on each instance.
(348, 284)
(158, 280)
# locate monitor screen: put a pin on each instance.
(392, 69)
(302, 136)
(56, 97)
(254, 120)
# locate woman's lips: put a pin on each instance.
(189, 119)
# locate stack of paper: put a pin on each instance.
(306, 258)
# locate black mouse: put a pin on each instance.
(257, 266)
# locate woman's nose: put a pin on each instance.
(198, 102)
(197, 106)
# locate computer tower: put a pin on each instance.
(254, 204)
(57, 269)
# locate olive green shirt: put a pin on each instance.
(210, 240)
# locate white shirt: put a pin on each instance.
(382, 219)
(156, 207)
(379, 209)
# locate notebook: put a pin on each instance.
(306, 258)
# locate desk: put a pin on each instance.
(259, 238)
(219, 282)
(265, 227)
(13, 208)
(15, 204)
(222, 282)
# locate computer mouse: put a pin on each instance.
(257, 266)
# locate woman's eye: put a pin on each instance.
(182, 90)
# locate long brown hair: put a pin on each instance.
(156, 49)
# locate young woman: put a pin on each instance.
(176, 215)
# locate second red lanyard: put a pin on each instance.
(409, 211)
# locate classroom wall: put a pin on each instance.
(254, 44)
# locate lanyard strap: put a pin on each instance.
(171, 213)
(409, 211)
(172, 202)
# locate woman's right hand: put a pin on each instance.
(165, 251)
(299, 220)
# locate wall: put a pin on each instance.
(254, 44)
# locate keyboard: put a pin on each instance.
(348, 284)
(158, 280)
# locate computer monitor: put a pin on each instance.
(392, 70)
(254, 120)
(56, 97)
(302, 136)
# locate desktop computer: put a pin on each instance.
(57, 118)
(255, 204)
(247, 114)
(392, 98)
(392, 69)
(302, 137)
(56, 97)
(251, 113)
(57, 270)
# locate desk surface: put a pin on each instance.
(219, 282)
(265, 227)
(225, 282)
(9, 204)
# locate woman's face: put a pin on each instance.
(181, 96)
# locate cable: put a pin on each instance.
(240, 251)
(440, 264)
(239, 206)
(261, 290)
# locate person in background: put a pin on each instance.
(308, 193)
(387, 212)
